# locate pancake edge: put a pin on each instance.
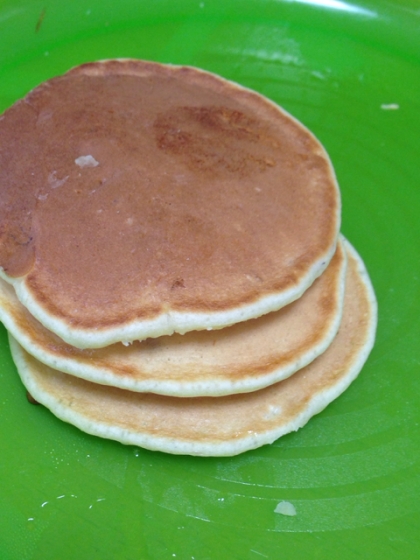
(169, 322)
(194, 388)
(178, 447)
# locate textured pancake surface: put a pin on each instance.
(220, 425)
(241, 358)
(139, 199)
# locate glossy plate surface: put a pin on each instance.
(351, 73)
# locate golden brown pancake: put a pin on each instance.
(241, 358)
(139, 199)
(219, 425)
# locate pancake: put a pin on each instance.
(139, 199)
(215, 426)
(241, 358)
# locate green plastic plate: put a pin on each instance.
(351, 72)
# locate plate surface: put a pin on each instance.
(351, 73)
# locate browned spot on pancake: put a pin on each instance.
(16, 234)
(178, 283)
(215, 140)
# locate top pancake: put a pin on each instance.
(139, 199)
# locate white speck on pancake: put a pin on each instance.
(86, 161)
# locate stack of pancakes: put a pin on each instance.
(172, 272)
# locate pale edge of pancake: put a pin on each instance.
(178, 447)
(174, 388)
(172, 322)
(169, 322)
